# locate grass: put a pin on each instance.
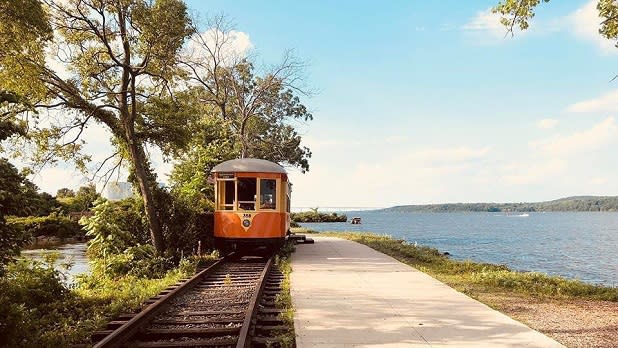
(475, 278)
(284, 298)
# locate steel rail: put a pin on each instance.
(243, 338)
(130, 328)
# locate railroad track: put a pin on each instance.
(229, 304)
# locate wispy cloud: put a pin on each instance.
(585, 23)
(450, 154)
(487, 23)
(587, 140)
(599, 180)
(532, 172)
(486, 27)
(607, 102)
(547, 123)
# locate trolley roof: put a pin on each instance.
(249, 165)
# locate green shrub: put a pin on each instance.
(80, 201)
(30, 293)
(11, 242)
(114, 227)
(184, 225)
(38, 310)
(139, 261)
(52, 225)
(315, 216)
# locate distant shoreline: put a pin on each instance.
(568, 204)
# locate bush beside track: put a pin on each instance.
(315, 216)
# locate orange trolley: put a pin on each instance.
(252, 204)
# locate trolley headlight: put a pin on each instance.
(246, 222)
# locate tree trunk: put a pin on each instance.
(156, 233)
(243, 149)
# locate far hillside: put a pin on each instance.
(578, 203)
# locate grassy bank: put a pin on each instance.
(475, 278)
(576, 314)
(286, 338)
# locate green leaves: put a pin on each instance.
(160, 47)
(608, 9)
(24, 32)
(516, 13)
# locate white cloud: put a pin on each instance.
(450, 154)
(532, 172)
(585, 23)
(599, 181)
(487, 23)
(409, 176)
(52, 179)
(227, 46)
(371, 174)
(396, 139)
(547, 123)
(600, 134)
(607, 102)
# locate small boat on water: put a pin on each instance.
(518, 215)
(355, 221)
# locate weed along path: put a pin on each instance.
(346, 294)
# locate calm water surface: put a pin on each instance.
(575, 245)
(74, 253)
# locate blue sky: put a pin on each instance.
(428, 101)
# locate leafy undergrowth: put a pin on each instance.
(473, 278)
(37, 308)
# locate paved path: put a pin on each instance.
(349, 295)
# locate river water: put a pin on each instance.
(575, 245)
(73, 253)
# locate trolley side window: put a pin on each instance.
(289, 196)
(247, 190)
(227, 193)
(268, 194)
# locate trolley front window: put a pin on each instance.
(247, 191)
(226, 194)
(268, 194)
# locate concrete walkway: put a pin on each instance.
(349, 295)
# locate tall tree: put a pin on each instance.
(114, 59)
(24, 29)
(257, 107)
